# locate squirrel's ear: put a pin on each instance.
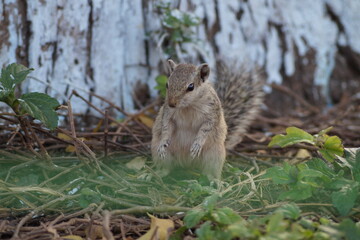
(204, 71)
(172, 65)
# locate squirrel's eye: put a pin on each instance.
(190, 87)
(167, 85)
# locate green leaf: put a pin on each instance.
(291, 211)
(205, 232)
(294, 135)
(88, 196)
(171, 22)
(350, 230)
(13, 74)
(319, 165)
(7, 96)
(178, 234)
(210, 202)
(356, 167)
(190, 20)
(240, 230)
(344, 199)
(351, 160)
(177, 36)
(40, 106)
(331, 148)
(193, 217)
(280, 175)
(225, 216)
(276, 223)
(298, 192)
(309, 173)
(161, 84)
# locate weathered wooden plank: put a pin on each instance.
(117, 49)
(101, 45)
(72, 51)
(43, 43)
(11, 36)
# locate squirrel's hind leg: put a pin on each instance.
(213, 159)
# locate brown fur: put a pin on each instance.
(190, 129)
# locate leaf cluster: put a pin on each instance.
(161, 84)
(38, 105)
(328, 146)
(336, 181)
(176, 27)
(285, 222)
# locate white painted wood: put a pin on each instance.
(99, 45)
(72, 56)
(43, 42)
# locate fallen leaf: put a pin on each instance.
(72, 237)
(70, 149)
(136, 164)
(96, 232)
(98, 126)
(64, 136)
(160, 229)
(303, 153)
(149, 122)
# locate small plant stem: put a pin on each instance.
(111, 118)
(44, 153)
(19, 166)
(106, 226)
(80, 146)
(145, 209)
(252, 159)
(27, 136)
(72, 127)
(38, 209)
(106, 130)
(118, 201)
(15, 156)
(61, 174)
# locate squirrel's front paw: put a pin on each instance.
(162, 149)
(195, 150)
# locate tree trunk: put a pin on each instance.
(312, 47)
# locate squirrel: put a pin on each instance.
(197, 124)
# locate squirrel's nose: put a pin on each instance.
(172, 102)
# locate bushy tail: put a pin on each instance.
(241, 94)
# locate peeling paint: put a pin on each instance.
(100, 46)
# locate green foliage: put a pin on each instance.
(161, 84)
(293, 135)
(328, 146)
(37, 105)
(176, 28)
(88, 196)
(349, 229)
(352, 161)
(193, 217)
(242, 206)
(11, 76)
(319, 181)
(40, 106)
(316, 178)
(285, 222)
(344, 198)
(290, 211)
